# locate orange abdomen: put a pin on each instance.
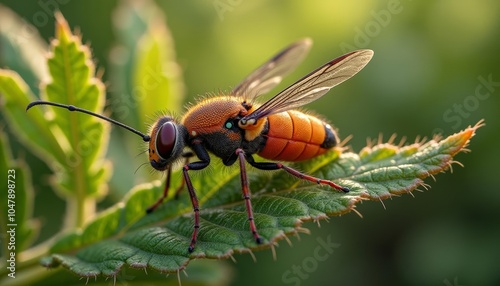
(296, 136)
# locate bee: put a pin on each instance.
(234, 127)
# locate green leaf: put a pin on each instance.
(72, 144)
(145, 82)
(22, 48)
(32, 128)
(157, 81)
(146, 78)
(200, 272)
(82, 137)
(16, 203)
(124, 235)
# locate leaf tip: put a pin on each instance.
(479, 124)
(464, 137)
(62, 27)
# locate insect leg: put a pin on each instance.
(246, 195)
(165, 192)
(202, 154)
(186, 155)
(276, 166)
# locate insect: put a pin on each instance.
(234, 128)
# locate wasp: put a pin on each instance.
(234, 127)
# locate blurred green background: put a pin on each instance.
(435, 70)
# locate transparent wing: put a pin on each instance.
(313, 85)
(272, 72)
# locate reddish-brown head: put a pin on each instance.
(166, 144)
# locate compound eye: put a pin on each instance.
(166, 139)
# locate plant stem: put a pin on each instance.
(78, 212)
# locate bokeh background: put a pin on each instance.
(436, 70)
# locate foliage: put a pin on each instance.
(74, 146)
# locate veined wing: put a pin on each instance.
(313, 85)
(270, 74)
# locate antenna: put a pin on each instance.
(145, 137)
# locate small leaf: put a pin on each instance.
(146, 78)
(16, 203)
(83, 138)
(124, 235)
(31, 127)
(145, 82)
(72, 144)
(22, 48)
(156, 76)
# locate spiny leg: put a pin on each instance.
(186, 155)
(165, 192)
(202, 154)
(196, 208)
(291, 171)
(246, 195)
(180, 188)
